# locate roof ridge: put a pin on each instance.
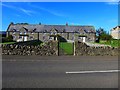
(24, 23)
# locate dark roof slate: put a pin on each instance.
(44, 28)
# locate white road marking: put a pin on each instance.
(83, 72)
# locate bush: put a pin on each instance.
(61, 39)
(7, 39)
(105, 37)
(10, 38)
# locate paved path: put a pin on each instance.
(50, 72)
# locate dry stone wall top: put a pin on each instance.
(52, 49)
(48, 49)
(84, 49)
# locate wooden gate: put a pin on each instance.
(65, 48)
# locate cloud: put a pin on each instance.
(52, 12)
(8, 6)
(112, 3)
(27, 12)
(113, 0)
(49, 11)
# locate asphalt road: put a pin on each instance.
(49, 72)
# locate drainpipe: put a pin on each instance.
(38, 36)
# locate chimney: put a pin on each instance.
(11, 23)
(66, 24)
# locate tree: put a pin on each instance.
(7, 39)
(102, 35)
(10, 38)
(98, 34)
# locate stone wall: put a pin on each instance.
(83, 49)
(49, 49)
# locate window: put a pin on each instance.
(20, 32)
(79, 37)
(51, 33)
(13, 32)
(20, 37)
(31, 37)
(14, 37)
(44, 34)
(54, 33)
(51, 38)
(25, 33)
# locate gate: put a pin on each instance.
(65, 48)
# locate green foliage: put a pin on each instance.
(61, 39)
(101, 34)
(113, 42)
(8, 43)
(105, 36)
(7, 39)
(67, 47)
(10, 38)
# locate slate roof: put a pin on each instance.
(47, 28)
(116, 28)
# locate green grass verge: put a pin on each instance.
(8, 43)
(67, 47)
(113, 43)
(33, 42)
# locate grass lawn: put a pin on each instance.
(8, 43)
(113, 43)
(33, 42)
(67, 47)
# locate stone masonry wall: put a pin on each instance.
(50, 48)
(83, 49)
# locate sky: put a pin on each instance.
(97, 14)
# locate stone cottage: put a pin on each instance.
(26, 32)
(115, 32)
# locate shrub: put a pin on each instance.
(61, 39)
(7, 39)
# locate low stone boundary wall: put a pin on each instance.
(50, 48)
(83, 49)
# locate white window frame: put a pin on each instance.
(31, 37)
(20, 36)
(25, 33)
(14, 37)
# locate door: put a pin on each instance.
(83, 39)
(25, 38)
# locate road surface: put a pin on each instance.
(50, 72)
